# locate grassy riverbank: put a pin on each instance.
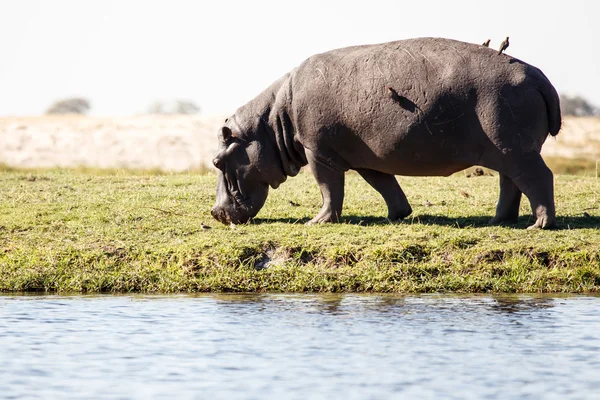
(80, 232)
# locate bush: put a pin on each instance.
(73, 105)
(173, 107)
(577, 106)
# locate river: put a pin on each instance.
(299, 347)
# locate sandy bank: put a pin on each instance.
(176, 143)
(172, 143)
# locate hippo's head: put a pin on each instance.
(248, 165)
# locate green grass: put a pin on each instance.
(71, 231)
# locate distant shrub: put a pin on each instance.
(173, 107)
(73, 105)
(577, 106)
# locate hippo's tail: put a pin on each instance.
(552, 101)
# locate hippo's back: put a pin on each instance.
(416, 100)
(421, 70)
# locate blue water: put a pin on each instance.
(299, 347)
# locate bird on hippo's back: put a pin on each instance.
(503, 46)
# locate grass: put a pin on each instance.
(66, 231)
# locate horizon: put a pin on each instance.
(124, 55)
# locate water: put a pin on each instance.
(299, 346)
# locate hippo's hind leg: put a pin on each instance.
(507, 210)
(388, 187)
(331, 184)
(535, 180)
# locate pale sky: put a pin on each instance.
(123, 54)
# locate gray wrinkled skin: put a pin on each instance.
(418, 107)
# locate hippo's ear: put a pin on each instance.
(225, 134)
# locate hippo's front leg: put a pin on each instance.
(331, 183)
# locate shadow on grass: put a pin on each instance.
(371, 220)
(563, 222)
(422, 219)
(293, 221)
(578, 222)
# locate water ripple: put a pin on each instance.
(299, 346)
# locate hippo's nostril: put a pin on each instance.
(220, 215)
(217, 214)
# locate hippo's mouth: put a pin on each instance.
(238, 200)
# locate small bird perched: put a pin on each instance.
(503, 45)
(486, 43)
(393, 94)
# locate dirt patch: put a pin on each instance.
(271, 256)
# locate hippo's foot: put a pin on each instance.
(540, 223)
(399, 214)
(323, 218)
(543, 221)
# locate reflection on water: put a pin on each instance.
(299, 346)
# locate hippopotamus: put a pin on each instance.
(416, 107)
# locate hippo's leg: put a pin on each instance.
(388, 187)
(331, 184)
(536, 181)
(507, 210)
